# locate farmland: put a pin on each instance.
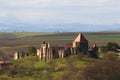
(73, 67)
(11, 42)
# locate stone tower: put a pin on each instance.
(82, 42)
(61, 53)
(45, 51)
(16, 55)
(95, 51)
(19, 55)
(95, 48)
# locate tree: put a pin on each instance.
(32, 50)
(111, 46)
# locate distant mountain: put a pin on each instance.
(73, 27)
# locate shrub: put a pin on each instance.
(106, 69)
(111, 56)
(31, 50)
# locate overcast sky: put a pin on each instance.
(97, 12)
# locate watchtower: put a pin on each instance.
(82, 42)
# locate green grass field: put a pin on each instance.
(52, 36)
(26, 34)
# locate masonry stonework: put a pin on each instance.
(47, 51)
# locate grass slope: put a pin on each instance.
(56, 68)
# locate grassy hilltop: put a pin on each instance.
(73, 67)
(70, 68)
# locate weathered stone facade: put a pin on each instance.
(82, 42)
(61, 53)
(47, 51)
(94, 51)
(19, 55)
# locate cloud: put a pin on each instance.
(4, 28)
(25, 3)
(60, 11)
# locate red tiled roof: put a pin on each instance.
(1, 62)
(80, 38)
(94, 45)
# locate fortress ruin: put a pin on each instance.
(47, 51)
